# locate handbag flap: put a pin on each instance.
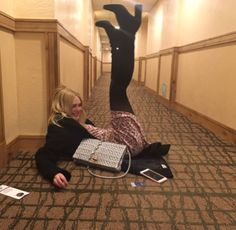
(100, 154)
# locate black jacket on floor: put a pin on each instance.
(61, 143)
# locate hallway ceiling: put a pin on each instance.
(101, 14)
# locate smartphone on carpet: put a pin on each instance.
(157, 177)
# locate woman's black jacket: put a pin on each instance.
(61, 143)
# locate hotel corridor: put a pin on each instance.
(202, 194)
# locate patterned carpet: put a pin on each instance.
(202, 194)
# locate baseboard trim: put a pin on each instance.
(21, 143)
(30, 143)
(3, 154)
(12, 148)
(161, 99)
(219, 129)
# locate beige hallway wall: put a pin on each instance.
(7, 7)
(31, 83)
(180, 22)
(152, 68)
(77, 17)
(74, 15)
(34, 9)
(206, 83)
(71, 66)
(165, 76)
(37, 53)
(202, 19)
(9, 85)
(136, 70)
(141, 39)
(99, 68)
(195, 44)
(163, 26)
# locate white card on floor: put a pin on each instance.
(137, 184)
(12, 192)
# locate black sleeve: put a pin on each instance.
(47, 166)
(48, 156)
(89, 122)
(61, 143)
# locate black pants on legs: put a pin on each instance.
(121, 75)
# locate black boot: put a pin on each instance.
(122, 40)
(155, 150)
(122, 49)
(127, 22)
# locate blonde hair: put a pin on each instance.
(62, 105)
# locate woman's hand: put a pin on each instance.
(60, 181)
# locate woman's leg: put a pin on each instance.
(122, 49)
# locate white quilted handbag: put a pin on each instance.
(99, 154)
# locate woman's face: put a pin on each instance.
(76, 108)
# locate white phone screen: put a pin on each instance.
(153, 175)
